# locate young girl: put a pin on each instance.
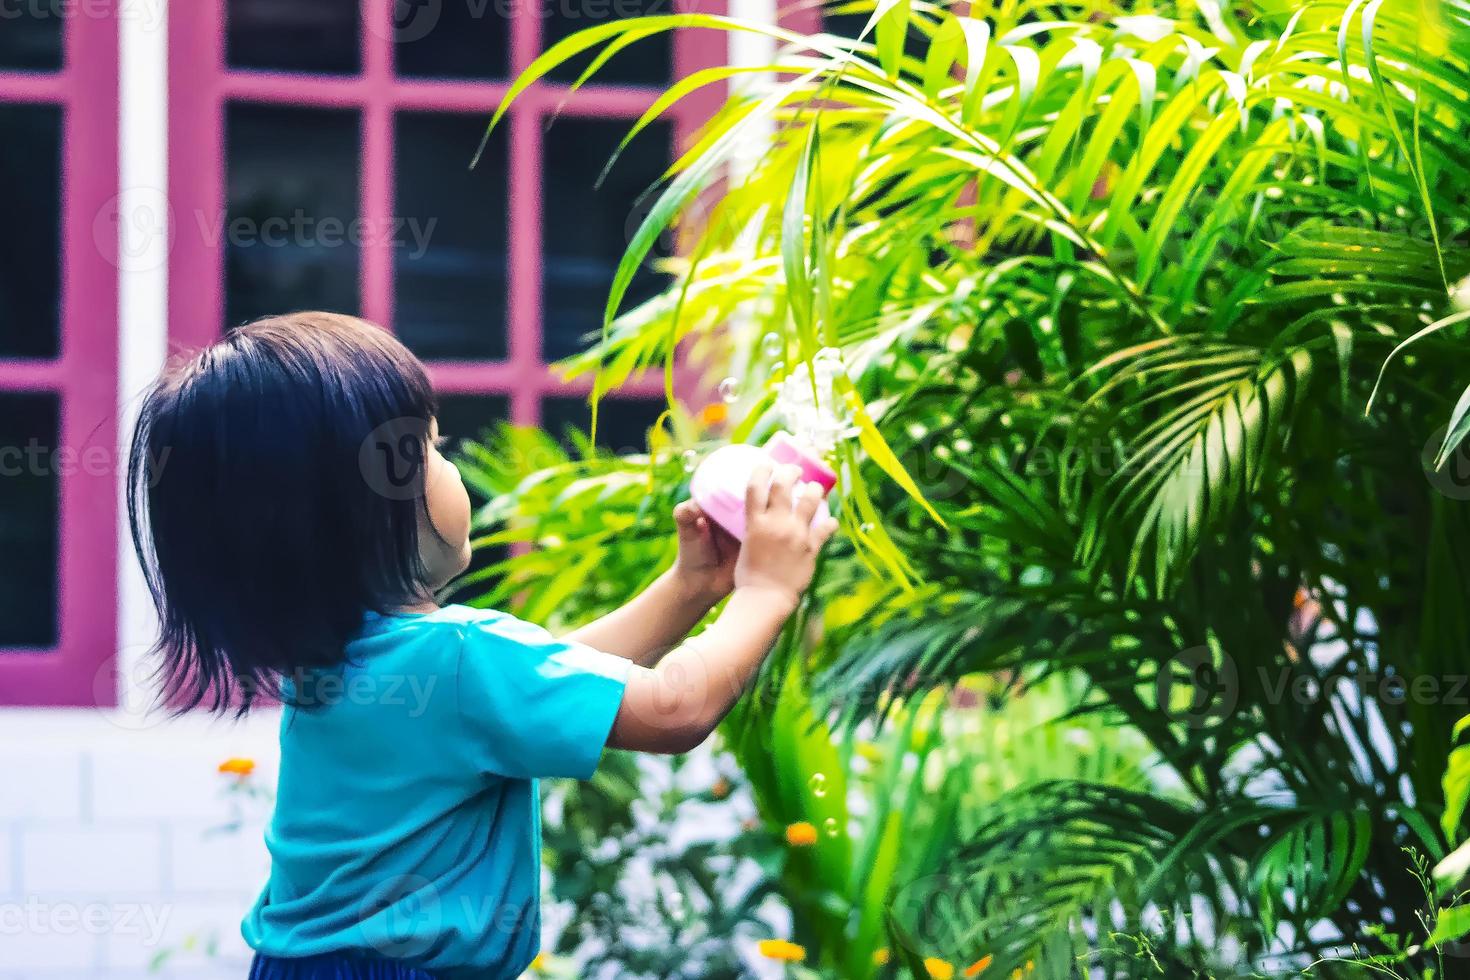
(295, 521)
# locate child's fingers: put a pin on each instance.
(785, 479)
(808, 498)
(758, 490)
(821, 531)
(686, 514)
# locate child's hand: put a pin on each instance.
(705, 568)
(781, 545)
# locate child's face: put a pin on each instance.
(444, 547)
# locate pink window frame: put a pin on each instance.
(202, 86)
(77, 670)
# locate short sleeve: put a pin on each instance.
(533, 705)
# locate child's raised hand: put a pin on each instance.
(781, 544)
(706, 563)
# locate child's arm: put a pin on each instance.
(675, 706)
(661, 615)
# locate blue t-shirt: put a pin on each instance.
(407, 821)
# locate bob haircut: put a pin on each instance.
(275, 490)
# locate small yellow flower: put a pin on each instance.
(938, 969)
(801, 834)
(713, 414)
(238, 767)
(539, 963)
(979, 966)
(880, 956)
(780, 949)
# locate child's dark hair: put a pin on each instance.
(275, 486)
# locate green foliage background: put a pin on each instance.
(1113, 286)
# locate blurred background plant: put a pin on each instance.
(1112, 287)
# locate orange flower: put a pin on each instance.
(720, 789)
(801, 834)
(979, 966)
(780, 949)
(713, 414)
(238, 767)
(939, 969)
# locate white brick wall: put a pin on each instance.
(121, 845)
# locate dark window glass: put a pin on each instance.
(646, 62)
(292, 232)
(295, 35)
(30, 35)
(30, 249)
(450, 241)
(463, 417)
(29, 428)
(622, 423)
(452, 38)
(850, 24)
(470, 417)
(587, 228)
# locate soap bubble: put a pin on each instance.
(691, 459)
(730, 390)
(773, 345)
(830, 826)
(818, 784)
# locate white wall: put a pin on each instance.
(110, 843)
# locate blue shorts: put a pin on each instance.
(334, 966)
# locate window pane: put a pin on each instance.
(849, 23)
(622, 423)
(30, 36)
(646, 62)
(294, 35)
(586, 228)
(29, 517)
(30, 249)
(450, 245)
(292, 231)
(464, 417)
(470, 416)
(452, 38)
